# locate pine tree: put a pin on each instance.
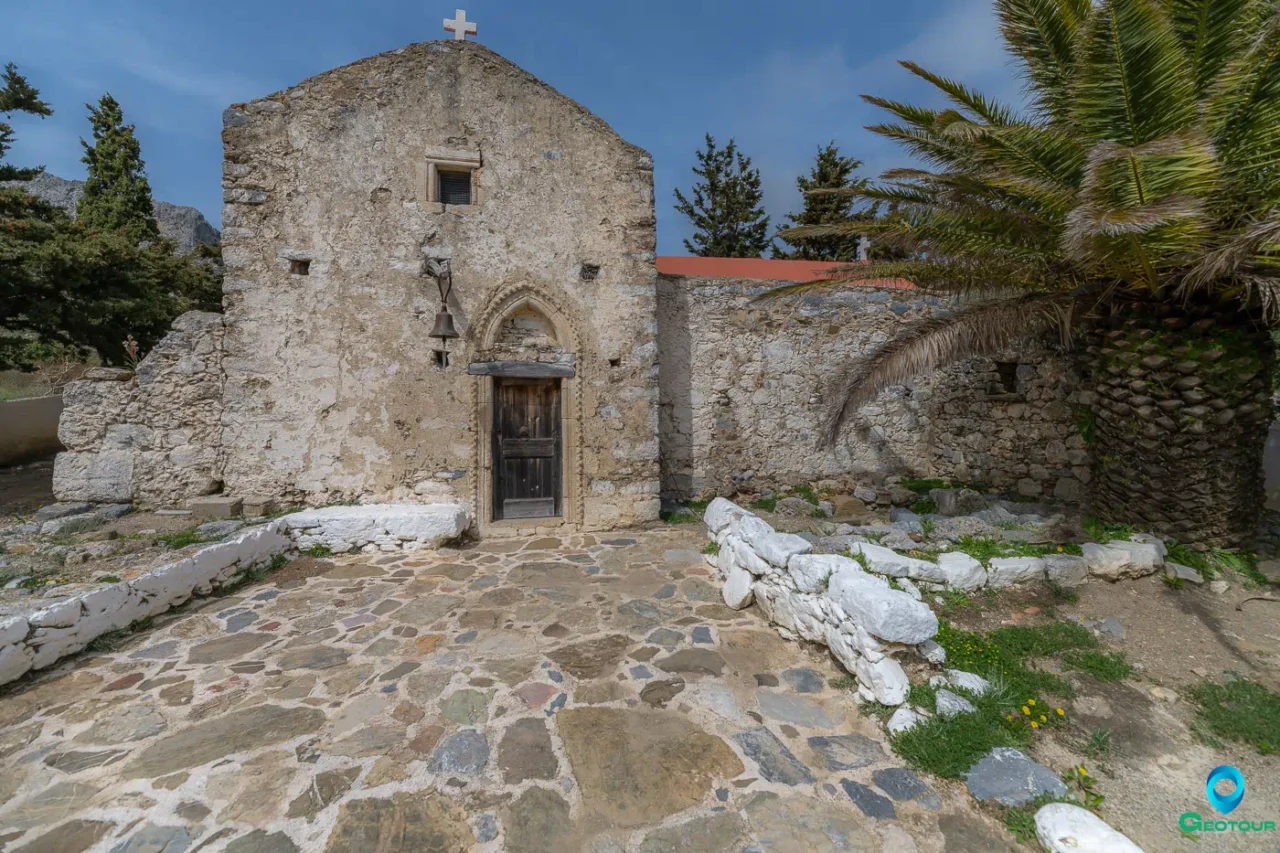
(726, 208)
(117, 194)
(17, 96)
(831, 172)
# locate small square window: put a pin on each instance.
(454, 187)
(300, 267)
(1008, 374)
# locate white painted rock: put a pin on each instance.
(428, 524)
(1117, 560)
(1064, 828)
(737, 590)
(883, 612)
(778, 548)
(950, 704)
(960, 571)
(886, 561)
(720, 513)
(1066, 570)
(812, 572)
(975, 684)
(885, 678)
(903, 719)
(1004, 571)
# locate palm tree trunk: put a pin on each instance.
(1182, 408)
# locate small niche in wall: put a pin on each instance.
(615, 362)
(300, 267)
(1005, 388)
(441, 359)
(589, 272)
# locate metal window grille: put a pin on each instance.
(455, 187)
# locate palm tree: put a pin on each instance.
(1135, 205)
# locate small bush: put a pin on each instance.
(807, 493)
(181, 539)
(1102, 532)
(766, 504)
(1104, 666)
(1241, 710)
(108, 579)
(681, 517)
(319, 550)
(712, 547)
(923, 487)
(924, 506)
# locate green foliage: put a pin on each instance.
(1142, 169)
(75, 287)
(680, 517)
(1104, 666)
(1062, 593)
(1004, 653)
(181, 539)
(766, 504)
(1086, 425)
(923, 696)
(1179, 553)
(108, 579)
(319, 550)
(727, 208)
(823, 206)
(117, 195)
(1240, 710)
(923, 487)
(924, 506)
(1243, 564)
(948, 746)
(17, 96)
(712, 547)
(844, 682)
(927, 527)
(953, 600)
(805, 492)
(1102, 532)
(1098, 745)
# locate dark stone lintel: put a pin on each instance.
(521, 369)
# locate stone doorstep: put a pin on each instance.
(214, 507)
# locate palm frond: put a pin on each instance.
(1043, 35)
(979, 106)
(1244, 115)
(1212, 30)
(983, 329)
(1250, 260)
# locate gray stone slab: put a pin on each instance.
(777, 763)
(1010, 777)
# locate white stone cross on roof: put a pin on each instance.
(460, 26)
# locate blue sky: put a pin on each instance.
(780, 78)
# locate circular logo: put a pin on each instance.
(1225, 803)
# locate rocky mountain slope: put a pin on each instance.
(186, 226)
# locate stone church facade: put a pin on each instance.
(583, 384)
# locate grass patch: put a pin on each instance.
(319, 550)
(1243, 564)
(254, 575)
(878, 710)
(844, 682)
(924, 506)
(1240, 710)
(1102, 533)
(1061, 593)
(108, 579)
(923, 487)
(807, 493)
(984, 549)
(923, 696)
(112, 640)
(1104, 666)
(681, 517)
(860, 559)
(766, 504)
(1011, 713)
(712, 547)
(181, 539)
(1099, 744)
(954, 600)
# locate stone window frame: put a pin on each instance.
(448, 160)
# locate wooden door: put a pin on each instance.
(527, 471)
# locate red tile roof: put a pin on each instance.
(762, 269)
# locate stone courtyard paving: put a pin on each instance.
(551, 694)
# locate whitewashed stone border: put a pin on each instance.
(40, 639)
(822, 598)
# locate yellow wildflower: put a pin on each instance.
(1043, 718)
(1061, 713)
(1031, 702)
(1082, 771)
(1034, 724)
(1026, 710)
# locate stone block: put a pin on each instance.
(886, 561)
(214, 507)
(1067, 828)
(881, 611)
(962, 571)
(1004, 571)
(1066, 570)
(105, 477)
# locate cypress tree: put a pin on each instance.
(117, 194)
(726, 209)
(828, 192)
(17, 96)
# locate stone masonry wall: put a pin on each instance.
(746, 387)
(332, 390)
(152, 435)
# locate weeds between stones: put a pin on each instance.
(1102, 533)
(319, 550)
(1239, 710)
(1012, 711)
(766, 504)
(712, 548)
(1104, 666)
(1098, 745)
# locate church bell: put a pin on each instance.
(444, 325)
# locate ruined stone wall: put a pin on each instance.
(152, 435)
(746, 388)
(332, 390)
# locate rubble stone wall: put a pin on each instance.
(151, 435)
(746, 388)
(332, 386)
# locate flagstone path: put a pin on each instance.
(552, 694)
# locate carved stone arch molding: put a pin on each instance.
(485, 329)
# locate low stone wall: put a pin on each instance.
(152, 435)
(822, 598)
(39, 639)
(29, 429)
(746, 387)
